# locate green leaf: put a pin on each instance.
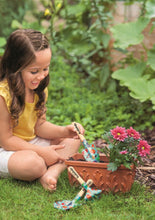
(104, 150)
(129, 33)
(99, 36)
(139, 89)
(131, 72)
(105, 40)
(150, 9)
(110, 146)
(104, 75)
(74, 10)
(80, 48)
(111, 86)
(15, 24)
(127, 165)
(151, 58)
(151, 87)
(34, 25)
(2, 41)
(112, 167)
(153, 101)
(1, 51)
(142, 89)
(77, 117)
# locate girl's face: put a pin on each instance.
(34, 73)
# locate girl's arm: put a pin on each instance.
(48, 130)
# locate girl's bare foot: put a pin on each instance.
(48, 182)
(49, 179)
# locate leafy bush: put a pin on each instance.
(82, 37)
(70, 100)
(10, 10)
(138, 76)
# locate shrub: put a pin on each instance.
(10, 10)
(71, 100)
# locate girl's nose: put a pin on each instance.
(41, 76)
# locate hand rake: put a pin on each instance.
(90, 152)
(68, 204)
(90, 193)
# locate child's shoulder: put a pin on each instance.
(3, 83)
(4, 91)
(4, 86)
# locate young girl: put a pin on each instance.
(30, 147)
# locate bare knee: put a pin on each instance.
(75, 143)
(71, 147)
(26, 165)
(36, 165)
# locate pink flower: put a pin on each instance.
(133, 133)
(144, 148)
(123, 152)
(119, 133)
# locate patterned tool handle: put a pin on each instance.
(82, 138)
(88, 155)
(82, 191)
(76, 175)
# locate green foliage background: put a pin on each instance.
(83, 87)
(10, 10)
(70, 99)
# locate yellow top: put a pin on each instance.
(28, 118)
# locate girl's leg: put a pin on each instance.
(26, 165)
(49, 179)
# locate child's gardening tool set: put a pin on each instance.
(90, 154)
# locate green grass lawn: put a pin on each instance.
(21, 200)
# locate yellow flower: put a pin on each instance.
(59, 6)
(47, 12)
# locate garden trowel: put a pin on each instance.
(90, 152)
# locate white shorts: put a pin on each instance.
(5, 155)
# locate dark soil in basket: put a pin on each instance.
(72, 159)
(145, 173)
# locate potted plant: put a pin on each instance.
(125, 147)
(116, 170)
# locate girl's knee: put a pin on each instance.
(26, 165)
(71, 147)
(36, 164)
(74, 142)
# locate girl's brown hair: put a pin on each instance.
(20, 52)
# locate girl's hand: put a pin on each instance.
(72, 131)
(50, 155)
